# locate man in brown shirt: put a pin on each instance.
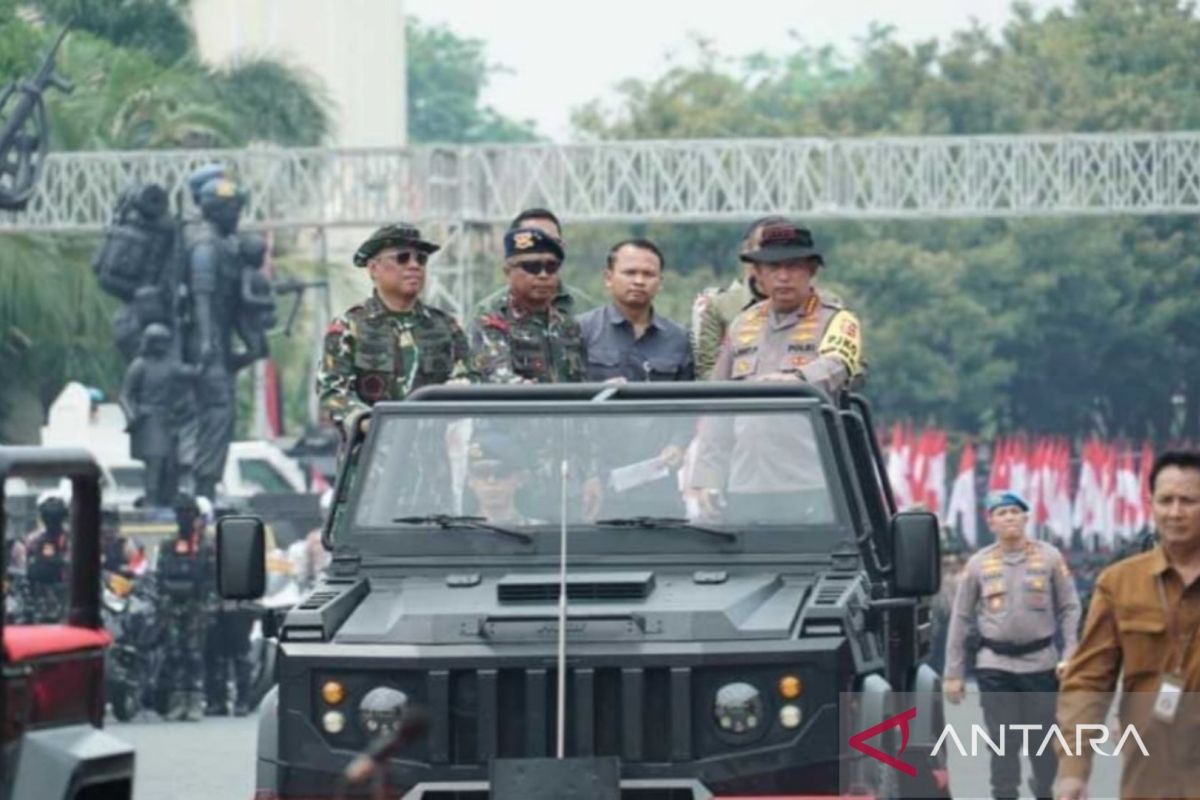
(1141, 624)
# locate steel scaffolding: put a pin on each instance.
(461, 191)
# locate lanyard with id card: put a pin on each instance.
(1170, 689)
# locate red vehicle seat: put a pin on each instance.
(25, 642)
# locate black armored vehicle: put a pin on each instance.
(740, 597)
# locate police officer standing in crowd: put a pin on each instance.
(392, 343)
(567, 299)
(715, 309)
(46, 561)
(525, 338)
(1018, 594)
(185, 578)
(798, 333)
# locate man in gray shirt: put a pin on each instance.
(628, 342)
(1017, 593)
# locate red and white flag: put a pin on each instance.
(961, 510)
(899, 454)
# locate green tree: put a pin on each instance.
(1053, 325)
(446, 78)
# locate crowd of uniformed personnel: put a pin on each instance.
(771, 324)
(202, 645)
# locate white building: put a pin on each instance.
(356, 48)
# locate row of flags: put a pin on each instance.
(1102, 491)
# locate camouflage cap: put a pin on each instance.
(782, 242)
(400, 234)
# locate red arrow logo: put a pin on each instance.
(858, 741)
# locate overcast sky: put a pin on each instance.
(562, 53)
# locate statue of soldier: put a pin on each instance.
(185, 577)
(153, 383)
(256, 301)
(213, 280)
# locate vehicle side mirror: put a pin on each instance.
(916, 553)
(241, 558)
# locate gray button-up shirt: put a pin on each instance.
(1014, 597)
(662, 353)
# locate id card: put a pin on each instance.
(1166, 702)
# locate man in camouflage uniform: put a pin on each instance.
(570, 300)
(1018, 594)
(185, 579)
(524, 338)
(392, 343)
(715, 308)
(46, 564)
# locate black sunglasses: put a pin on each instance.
(489, 472)
(538, 267)
(408, 255)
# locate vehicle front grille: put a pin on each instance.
(640, 715)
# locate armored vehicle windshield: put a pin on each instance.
(436, 477)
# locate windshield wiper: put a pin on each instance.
(661, 523)
(447, 521)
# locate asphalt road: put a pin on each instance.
(214, 759)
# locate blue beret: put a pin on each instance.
(523, 241)
(499, 447)
(201, 176)
(1005, 497)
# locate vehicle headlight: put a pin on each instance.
(738, 708)
(382, 710)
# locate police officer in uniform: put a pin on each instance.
(46, 563)
(525, 338)
(715, 309)
(392, 343)
(1018, 593)
(798, 333)
(185, 577)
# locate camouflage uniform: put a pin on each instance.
(508, 345)
(570, 300)
(184, 579)
(712, 314)
(373, 353)
(46, 578)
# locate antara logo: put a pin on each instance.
(1099, 734)
(858, 741)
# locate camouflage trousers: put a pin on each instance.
(184, 624)
(46, 604)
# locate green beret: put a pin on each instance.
(398, 235)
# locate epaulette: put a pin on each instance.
(830, 300)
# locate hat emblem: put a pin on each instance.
(523, 240)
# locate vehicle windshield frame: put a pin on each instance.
(431, 544)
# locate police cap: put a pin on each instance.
(525, 241)
(401, 235)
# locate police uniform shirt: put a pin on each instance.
(1014, 597)
(820, 342)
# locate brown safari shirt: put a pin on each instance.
(1127, 636)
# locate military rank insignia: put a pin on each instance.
(523, 241)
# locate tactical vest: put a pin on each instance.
(994, 590)
(46, 559)
(183, 568)
(550, 354)
(745, 335)
(384, 350)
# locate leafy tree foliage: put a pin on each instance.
(1062, 325)
(446, 78)
(139, 84)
